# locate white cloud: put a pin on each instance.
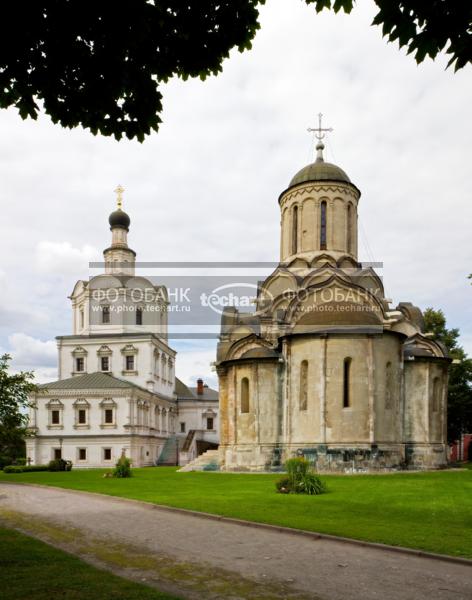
(62, 258)
(193, 363)
(206, 186)
(30, 352)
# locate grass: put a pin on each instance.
(33, 569)
(429, 511)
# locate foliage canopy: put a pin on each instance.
(99, 65)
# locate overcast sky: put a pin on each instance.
(206, 186)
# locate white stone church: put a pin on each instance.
(325, 367)
(117, 391)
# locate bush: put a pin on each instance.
(311, 484)
(25, 468)
(123, 467)
(283, 485)
(211, 466)
(12, 469)
(59, 464)
(300, 479)
(297, 467)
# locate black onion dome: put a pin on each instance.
(119, 218)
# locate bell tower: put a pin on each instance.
(119, 258)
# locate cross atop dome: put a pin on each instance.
(319, 133)
(119, 195)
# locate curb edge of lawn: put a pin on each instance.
(257, 525)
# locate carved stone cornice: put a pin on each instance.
(319, 188)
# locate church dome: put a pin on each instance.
(319, 171)
(119, 218)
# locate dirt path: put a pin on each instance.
(200, 558)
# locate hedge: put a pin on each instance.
(24, 468)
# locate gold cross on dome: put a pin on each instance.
(119, 195)
(319, 131)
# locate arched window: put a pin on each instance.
(349, 228)
(436, 394)
(323, 226)
(304, 385)
(139, 316)
(388, 386)
(244, 395)
(295, 230)
(347, 383)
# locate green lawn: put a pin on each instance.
(31, 569)
(431, 511)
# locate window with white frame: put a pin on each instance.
(129, 353)
(79, 356)
(81, 454)
(55, 412)
(108, 408)
(81, 407)
(104, 359)
(106, 453)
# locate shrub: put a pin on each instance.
(297, 467)
(25, 468)
(32, 468)
(59, 464)
(211, 466)
(300, 479)
(311, 484)
(283, 485)
(12, 469)
(123, 467)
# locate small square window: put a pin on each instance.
(82, 416)
(108, 415)
(82, 453)
(182, 428)
(105, 314)
(105, 363)
(55, 417)
(130, 363)
(106, 453)
(79, 364)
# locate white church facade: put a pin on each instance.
(117, 391)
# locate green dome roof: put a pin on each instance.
(319, 171)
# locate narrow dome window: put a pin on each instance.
(323, 226)
(295, 230)
(349, 228)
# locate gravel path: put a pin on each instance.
(270, 564)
